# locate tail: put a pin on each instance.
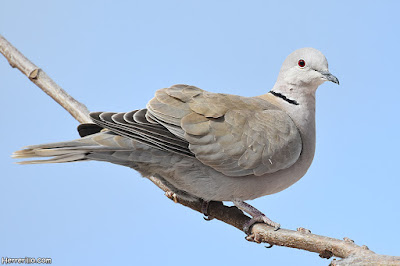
(61, 152)
(69, 151)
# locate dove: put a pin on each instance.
(210, 146)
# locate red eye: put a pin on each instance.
(301, 63)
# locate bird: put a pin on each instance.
(210, 146)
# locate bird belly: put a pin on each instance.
(192, 177)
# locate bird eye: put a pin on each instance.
(301, 63)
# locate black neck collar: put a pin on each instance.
(283, 97)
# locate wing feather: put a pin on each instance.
(234, 135)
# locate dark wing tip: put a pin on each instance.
(88, 129)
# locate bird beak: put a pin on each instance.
(329, 77)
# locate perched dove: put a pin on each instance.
(212, 146)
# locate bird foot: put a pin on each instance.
(204, 210)
(260, 219)
(257, 216)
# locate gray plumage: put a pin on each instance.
(207, 145)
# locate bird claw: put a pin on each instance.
(208, 218)
(260, 219)
(204, 210)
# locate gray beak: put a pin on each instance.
(329, 77)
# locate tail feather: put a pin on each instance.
(61, 152)
(59, 155)
(62, 144)
(75, 150)
(65, 158)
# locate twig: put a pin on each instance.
(43, 81)
(261, 233)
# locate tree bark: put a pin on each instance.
(326, 247)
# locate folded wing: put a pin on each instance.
(235, 135)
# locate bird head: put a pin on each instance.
(305, 69)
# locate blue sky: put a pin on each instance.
(113, 56)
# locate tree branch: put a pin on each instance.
(43, 81)
(326, 247)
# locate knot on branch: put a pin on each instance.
(303, 230)
(348, 240)
(34, 73)
(326, 254)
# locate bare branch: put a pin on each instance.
(326, 247)
(303, 239)
(43, 81)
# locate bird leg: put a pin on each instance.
(257, 216)
(204, 210)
